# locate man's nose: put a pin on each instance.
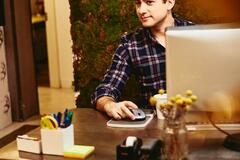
(142, 8)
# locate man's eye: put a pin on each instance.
(149, 2)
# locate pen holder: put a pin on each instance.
(54, 141)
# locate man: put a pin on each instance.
(141, 53)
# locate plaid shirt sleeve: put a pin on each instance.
(116, 75)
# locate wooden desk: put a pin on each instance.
(90, 129)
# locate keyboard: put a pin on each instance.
(201, 121)
(209, 126)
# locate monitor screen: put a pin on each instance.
(205, 59)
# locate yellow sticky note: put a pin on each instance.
(78, 151)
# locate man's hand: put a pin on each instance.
(117, 110)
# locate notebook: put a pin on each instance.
(78, 151)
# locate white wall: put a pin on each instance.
(62, 9)
(59, 43)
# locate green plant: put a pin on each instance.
(96, 28)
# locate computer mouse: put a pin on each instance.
(138, 114)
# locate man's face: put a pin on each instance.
(151, 12)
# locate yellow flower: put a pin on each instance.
(178, 96)
(152, 101)
(170, 104)
(172, 99)
(161, 91)
(179, 101)
(189, 93)
(188, 101)
(194, 98)
(162, 105)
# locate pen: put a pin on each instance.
(68, 119)
(65, 118)
(70, 115)
(59, 116)
(55, 116)
(65, 113)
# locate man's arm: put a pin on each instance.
(117, 110)
(104, 98)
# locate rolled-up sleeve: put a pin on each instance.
(116, 75)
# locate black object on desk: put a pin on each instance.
(146, 149)
(126, 152)
(232, 142)
(152, 149)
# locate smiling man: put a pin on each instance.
(141, 53)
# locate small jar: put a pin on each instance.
(175, 139)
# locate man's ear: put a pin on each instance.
(170, 4)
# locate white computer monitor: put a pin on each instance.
(205, 59)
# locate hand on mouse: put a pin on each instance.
(120, 110)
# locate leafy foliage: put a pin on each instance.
(96, 28)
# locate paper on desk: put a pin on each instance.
(130, 124)
(78, 151)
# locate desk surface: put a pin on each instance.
(90, 129)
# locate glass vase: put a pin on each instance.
(175, 139)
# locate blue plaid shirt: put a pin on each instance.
(141, 54)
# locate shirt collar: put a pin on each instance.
(149, 35)
(177, 20)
